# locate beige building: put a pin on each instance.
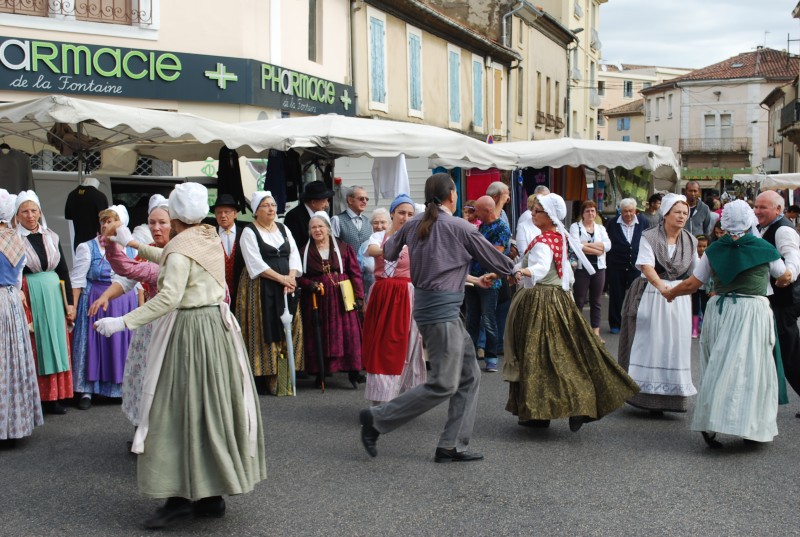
(581, 17)
(783, 132)
(713, 116)
(259, 60)
(621, 84)
(625, 122)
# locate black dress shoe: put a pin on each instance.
(53, 407)
(172, 511)
(451, 455)
(213, 507)
(85, 402)
(356, 378)
(369, 434)
(710, 439)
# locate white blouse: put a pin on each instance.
(540, 259)
(82, 261)
(578, 231)
(648, 257)
(252, 255)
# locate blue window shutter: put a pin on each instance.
(620, 124)
(415, 74)
(477, 94)
(455, 87)
(627, 123)
(376, 50)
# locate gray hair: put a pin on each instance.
(774, 198)
(628, 202)
(541, 189)
(380, 211)
(496, 188)
(351, 190)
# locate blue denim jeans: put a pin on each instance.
(481, 309)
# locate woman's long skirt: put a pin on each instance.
(738, 381)
(20, 410)
(392, 352)
(267, 358)
(135, 367)
(659, 359)
(49, 339)
(98, 362)
(197, 442)
(559, 368)
(341, 330)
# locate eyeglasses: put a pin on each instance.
(265, 205)
(363, 198)
(539, 211)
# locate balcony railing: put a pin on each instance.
(594, 41)
(125, 12)
(790, 114)
(714, 145)
(594, 98)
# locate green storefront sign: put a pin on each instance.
(69, 68)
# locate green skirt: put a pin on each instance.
(562, 367)
(197, 443)
(49, 326)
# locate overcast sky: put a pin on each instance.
(693, 33)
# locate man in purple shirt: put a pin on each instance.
(440, 248)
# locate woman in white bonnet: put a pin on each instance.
(98, 363)
(741, 381)
(20, 410)
(200, 435)
(555, 365)
(45, 266)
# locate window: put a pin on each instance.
(656, 139)
(414, 71)
(377, 60)
(601, 119)
(497, 98)
(626, 138)
(648, 109)
(521, 31)
(578, 9)
(725, 126)
(557, 99)
(601, 88)
(520, 93)
(658, 107)
(627, 89)
(646, 85)
(477, 92)
(538, 91)
(120, 12)
(547, 95)
(647, 139)
(314, 31)
(669, 106)
(624, 124)
(454, 84)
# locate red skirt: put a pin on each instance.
(387, 324)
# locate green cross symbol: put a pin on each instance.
(346, 100)
(222, 76)
(208, 170)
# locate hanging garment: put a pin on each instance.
(15, 171)
(229, 178)
(390, 177)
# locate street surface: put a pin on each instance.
(627, 474)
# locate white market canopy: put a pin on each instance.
(333, 135)
(69, 125)
(556, 153)
(772, 181)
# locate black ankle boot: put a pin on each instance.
(213, 506)
(356, 378)
(173, 510)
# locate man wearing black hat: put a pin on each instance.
(225, 212)
(314, 198)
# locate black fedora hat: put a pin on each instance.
(225, 200)
(316, 190)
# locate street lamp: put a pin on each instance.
(567, 109)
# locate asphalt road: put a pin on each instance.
(627, 474)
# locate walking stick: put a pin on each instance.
(318, 337)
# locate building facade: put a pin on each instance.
(713, 116)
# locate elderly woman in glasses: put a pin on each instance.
(379, 221)
(741, 381)
(272, 264)
(555, 364)
(328, 262)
